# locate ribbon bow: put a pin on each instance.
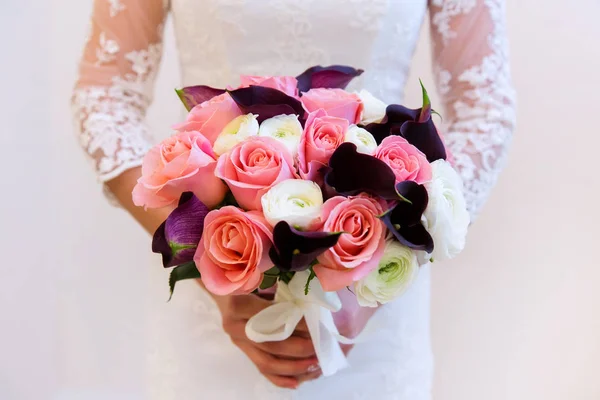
(277, 322)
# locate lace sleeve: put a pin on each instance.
(116, 77)
(471, 66)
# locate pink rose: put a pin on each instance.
(285, 84)
(184, 162)
(359, 248)
(407, 162)
(234, 251)
(210, 117)
(322, 135)
(252, 167)
(336, 102)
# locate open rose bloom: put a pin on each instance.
(295, 184)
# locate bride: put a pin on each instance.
(198, 348)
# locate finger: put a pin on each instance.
(346, 348)
(254, 355)
(293, 347)
(270, 365)
(302, 329)
(287, 367)
(311, 376)
(246, 306)
(283, 381)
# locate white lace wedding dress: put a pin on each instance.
(189, 356)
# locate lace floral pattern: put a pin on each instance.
(447, 10)
(115, 7)
(107, 50)
(109, 111)
(482, 118)
(112, 128)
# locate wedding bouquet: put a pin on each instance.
(299, 184)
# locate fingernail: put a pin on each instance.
(314, 368)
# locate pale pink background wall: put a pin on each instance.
(516, 317)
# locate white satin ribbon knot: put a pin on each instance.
(278, 322)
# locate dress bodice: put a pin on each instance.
(220, 40)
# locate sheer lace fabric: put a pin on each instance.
(116, 79)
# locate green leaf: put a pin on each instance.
(310, 278)
(229, 200)
(184, 271)
(286, 276)
(273, 272)
(268, 281)
(181, 96)
(426, 107)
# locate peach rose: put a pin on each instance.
(407, 162)
(322, 135)
(211, 116)
(359, 248)
(285, 84)
(252, 167)
(336, 102)
(234, 251)
(184, 162)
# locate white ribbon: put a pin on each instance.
(278, 322)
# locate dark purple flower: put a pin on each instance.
(351, 173)
(416, 126)
(334, 76)
(266, 102)
(295, 250)
(404, 219)
(177, 238)
(193, 95)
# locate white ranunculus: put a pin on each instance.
(374, 110)
(397, 269)
(446, 216)
(362, 138)
(296, 201)
(285, 129)
(238, 130)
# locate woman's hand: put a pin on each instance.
(287, 363)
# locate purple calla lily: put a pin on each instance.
(191, 96)
(351, 173)
(415, 125)
(295, 250)
(266, 102)
(404, 219)
(177, 238)
(332, 77)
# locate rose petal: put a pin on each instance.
(334, 76)
(191, 96)
(266, 102)
(295, 250)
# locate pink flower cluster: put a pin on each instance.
(233, 253)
